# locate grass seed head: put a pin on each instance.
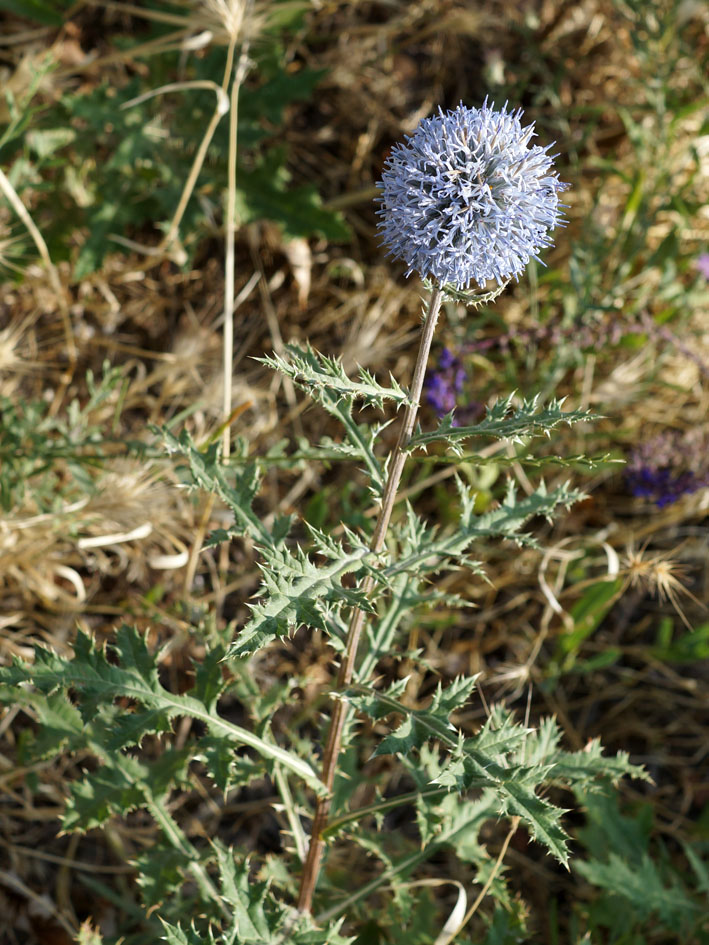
(228, 20)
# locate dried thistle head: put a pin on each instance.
(659, 574)
(222, 22)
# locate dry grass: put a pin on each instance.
(95, 559)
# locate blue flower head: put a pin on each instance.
(466, 198)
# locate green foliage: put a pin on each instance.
(257, 917)
(112, 703)
(251, 912)
(299, 592)
(37, 448)
(689, 646)
(504, 420)
(237, 488)
(134, 676)
(420, 789)
(40, 11)
(324, 378)
(117, 162)
(586, 614)
(504, 757)
(424, 551)
(644, 890)
(295, 589)
(264, 193)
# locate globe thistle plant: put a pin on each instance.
(466, 198)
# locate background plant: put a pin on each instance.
(584, 628)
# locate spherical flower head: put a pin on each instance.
(466, 198)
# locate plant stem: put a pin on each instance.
(340, 707)
(379, 808)
(230, 233)
(474, 813)
(178, 839)
(493, 873)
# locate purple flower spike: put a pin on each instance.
(447, 359)
(668, 466)
(443, 386)
(466, 198)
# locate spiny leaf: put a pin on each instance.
(296, 590)
(258, 917)
(120, 785)
(210, 474)
(540, 816)
(501, 734)
(209, 682)
(461, 821)
(642, 887)
(93, 799)
(245, 898)
(359, 442)
(470, 298)
(226, 768)
(419, 725)
(504, 420)
(316, 372)
(583, 769)
(130, 728)
(454, 696)
(515, 787)
(527, 459)
(176, 935)
(588, 769)
(544, 741)
(160, 869)
(424, 553)
(61, 725)
(327, 382)
(469, 766)
(376, 704)
(99, 681)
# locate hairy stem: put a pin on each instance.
(340, 707)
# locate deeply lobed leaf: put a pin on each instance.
(99, 682)
(321, 375)
(496, 758)
(505, 420)
(425, 552)
(296, 591)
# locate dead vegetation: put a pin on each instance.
(95, 555)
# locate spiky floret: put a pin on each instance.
(466, 198)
